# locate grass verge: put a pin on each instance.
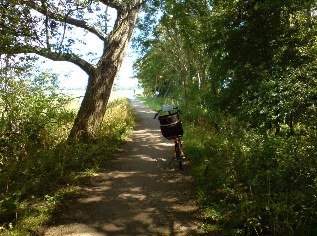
(37, 187)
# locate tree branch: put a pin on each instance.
(116, 4)
(58, 56)
(79, 23)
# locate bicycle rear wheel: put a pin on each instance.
(178, 152)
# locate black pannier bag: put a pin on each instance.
(171, 125)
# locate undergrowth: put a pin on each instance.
(34, 185)
(251, 182)
(156, 103)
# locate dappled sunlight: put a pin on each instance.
(113, 227)
(135, 150)
(143, 217)
(142, 110)
(169, 199)
(172, 181)
(182, 208)
(148, 159)
(92, 199)
(143, 204)
(147, 112)
(118, 174)
(138, 193)
(135, 196)
(135, 189)
(161, 159)
(105, 186)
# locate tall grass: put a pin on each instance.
(156, 103)
(250, 182)
(33, 187)
(254, 184)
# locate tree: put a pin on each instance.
(270, 52)
(175, 46)
(49, 28)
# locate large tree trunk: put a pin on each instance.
(94, 104)
(41, 42)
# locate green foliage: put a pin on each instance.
(36, 162)
(29, 105)
(250, 183)
(252, 59)
(156, 103)
(244, 75)
(24, 25)
(254, 183)
(7, 209)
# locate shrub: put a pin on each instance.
(58, 164)
(254, 184)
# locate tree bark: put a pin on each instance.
(101, 76)
(100, 82)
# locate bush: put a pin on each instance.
(59, 165)
(254, 184)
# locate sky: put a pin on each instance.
(74, 80)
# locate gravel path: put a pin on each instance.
(137, 193)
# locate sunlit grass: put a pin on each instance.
(59, 166)
(156, 103)
(250, 182)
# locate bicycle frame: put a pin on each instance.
(178, 152)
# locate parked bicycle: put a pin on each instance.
(171, 128)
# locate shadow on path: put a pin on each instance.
(137, 193)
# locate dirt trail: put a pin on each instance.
(137, 193)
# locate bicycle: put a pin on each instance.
(171, 128)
